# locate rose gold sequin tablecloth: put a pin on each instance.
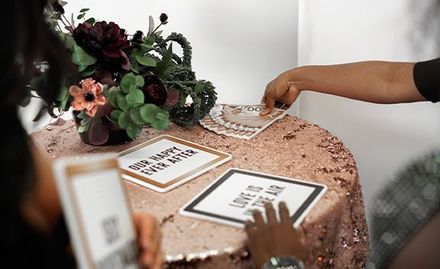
(335, 228)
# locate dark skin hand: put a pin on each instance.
(274, 237)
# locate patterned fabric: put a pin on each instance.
(404, 207)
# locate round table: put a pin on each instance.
(335, 229)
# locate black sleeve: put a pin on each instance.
(427, 79)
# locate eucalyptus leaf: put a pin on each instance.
(90, 70)
(121, 102)
(68, 40)
(140, 82)
(91, 20)
(148, 112)
(160, 124)
(82, 129)
(146, 60)
(135, 115)
(111, 96)
(81, 57)
(133, 130)
(135, 97)
(134, 66)
(127, 82)
(123, 120)
(84, 10)
(82, 68)
(114, 115)
(82, 115)
(80, 16)
(163, 115)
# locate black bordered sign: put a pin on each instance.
(232, 197)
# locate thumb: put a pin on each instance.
(270, 102)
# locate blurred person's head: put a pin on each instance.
(26, 39)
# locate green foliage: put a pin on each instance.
(85, 120)
(146, 60)
(133, 130)
(148, 55)
(131, 113)
(155, 116)
(163, 65)
(135, 97)
(81, 58)
(123, 120)
(82, 16)
(127, 82)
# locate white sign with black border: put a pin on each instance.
(234, 195)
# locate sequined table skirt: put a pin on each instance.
(335, 228)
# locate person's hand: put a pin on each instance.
(273, 238)
(280, 89)
(149, 240)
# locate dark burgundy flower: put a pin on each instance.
(106, 41)
(163, 18)
(154, 90)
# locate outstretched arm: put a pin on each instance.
(373, 81)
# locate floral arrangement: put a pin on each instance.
(126, 81)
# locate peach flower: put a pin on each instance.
(88, 97)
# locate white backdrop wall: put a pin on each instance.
(382, 137)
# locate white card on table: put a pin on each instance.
(232, 197)
(97, 212)
(166, 162)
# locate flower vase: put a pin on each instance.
(100, 132)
